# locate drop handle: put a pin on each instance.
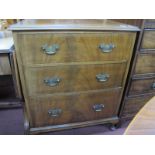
(98, 107)
(54, 81)
(102, 77)
(106, 48)
(51, 49)
(56, 112)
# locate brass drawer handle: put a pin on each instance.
(102, 77)
(50, 50)
(54, 81)
(106, 48)
(98, 107)
(55, 112)
(153, 86)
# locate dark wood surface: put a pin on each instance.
(141, 78)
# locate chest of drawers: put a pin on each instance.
(141, 85)
(73, 72)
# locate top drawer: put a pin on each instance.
(148, 41)
(60, 47)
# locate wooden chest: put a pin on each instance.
(73, 72)
(141, 85)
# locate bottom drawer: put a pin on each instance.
(133, 105)
(79, 107)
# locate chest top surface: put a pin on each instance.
(71, 24)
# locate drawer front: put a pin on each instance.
(59, 110)
(145, 64)
(142, 86)
(148, 41)
(133, 105)
(74, 47)
(59, 79)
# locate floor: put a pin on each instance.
(11, 123)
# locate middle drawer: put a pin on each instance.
(72, 78)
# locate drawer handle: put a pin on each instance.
(106, 48)
(52, 81)
(153, 86)
(98, 107)
(55, 112)
(102, 77)
(50, 50)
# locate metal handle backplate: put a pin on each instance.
(106, 48)
(50, 50)
(98, 107)
(102, 77)
(54, 81)
(55, 112)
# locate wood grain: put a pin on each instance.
(74, 46)
(77, 61)
(73, 78)
(75, 108)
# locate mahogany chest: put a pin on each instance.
(73, 72)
